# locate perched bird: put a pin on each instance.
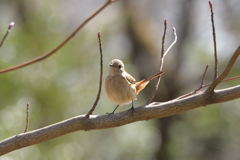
(121, 87)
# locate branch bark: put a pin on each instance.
(146, 112)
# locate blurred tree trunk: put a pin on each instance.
(145, 55)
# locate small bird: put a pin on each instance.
(121, 87)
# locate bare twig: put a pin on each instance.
(173, 43)
(95, 122)
(10, 27)
(27, 118)
(161, 62)
(163, 38)
(219, 79)
(163, 54)
(225, 72)
(224, 80)
(214, 43)
(199, 88)
(100, 78)
(203, 77)
(207, 85)
(40, 58)
(230, 78)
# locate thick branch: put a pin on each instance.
(151, 111)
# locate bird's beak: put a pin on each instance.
(110, 65)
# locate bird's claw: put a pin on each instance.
(131, 109)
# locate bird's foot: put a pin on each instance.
(113, 111)
(131, 109)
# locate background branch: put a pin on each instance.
(40, 58)
(10, 27)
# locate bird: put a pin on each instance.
(121, 87)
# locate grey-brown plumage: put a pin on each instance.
(121, 87)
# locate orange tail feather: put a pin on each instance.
(140, 85)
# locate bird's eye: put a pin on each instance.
(120, 66)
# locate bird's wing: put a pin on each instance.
(130, 78)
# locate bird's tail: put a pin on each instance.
(140, 85)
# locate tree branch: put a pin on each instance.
(225, 72)
(146, 112)
(40, 58)
(219, 79)
(199, 88)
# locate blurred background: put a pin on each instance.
(65, 85)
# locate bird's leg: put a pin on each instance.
(113, 110)
(132, 108)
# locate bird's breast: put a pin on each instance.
(119, 90)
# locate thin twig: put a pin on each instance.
(224, 80)
(163, 38)
(214, 42)
(162, 62)
(231, 62)
(199, 88)
(173, 43)
(100, 78)
(10, 27)
(231, 78)
(220, 78)
(203, 77)
(40, 58)
(225, 72)
(27, 118)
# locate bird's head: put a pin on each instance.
(116, 67)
